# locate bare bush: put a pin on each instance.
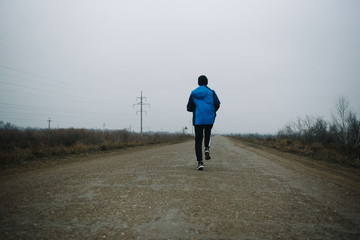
(340, 138)
(309, 129)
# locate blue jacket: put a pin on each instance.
(204, 103)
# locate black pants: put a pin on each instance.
(199, 134)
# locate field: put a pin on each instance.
(20, 145)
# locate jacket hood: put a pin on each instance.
(200, 92)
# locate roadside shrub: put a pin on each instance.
(335, 141)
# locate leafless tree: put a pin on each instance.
(346, 123)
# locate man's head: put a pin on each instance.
(202, 80)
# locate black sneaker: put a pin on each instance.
(207, 154)
(200, 166)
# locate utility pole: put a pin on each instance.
(141, 103)
(49, 123)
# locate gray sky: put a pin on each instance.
(84, 63)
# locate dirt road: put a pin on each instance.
(156, 193)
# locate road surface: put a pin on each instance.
(155, 192)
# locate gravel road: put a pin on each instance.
(155, 192)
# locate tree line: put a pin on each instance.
(343, 128)
(336, 140)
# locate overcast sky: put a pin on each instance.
(83, 63)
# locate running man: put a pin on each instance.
(203, 103)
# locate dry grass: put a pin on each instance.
(19, 145)
(335, 153)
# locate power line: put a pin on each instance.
(86, 74)
(63, 111)
(53, 81)
(141, 103)
(36, 53)
(41, 55)
(52, 94)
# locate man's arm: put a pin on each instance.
(191, 105)
(216, 101)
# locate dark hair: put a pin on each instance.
(202, 80)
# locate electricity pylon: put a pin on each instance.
(141, 103)
(49, 121)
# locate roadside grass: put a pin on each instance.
(329, 152)
(20, 145)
